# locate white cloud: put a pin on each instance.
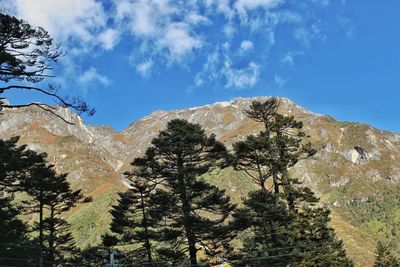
(306, 35)
(322, 2)
(91, 75)
(168, 32)
(348, 25)
(288, 59)
(195, 18)
(246, 45)
(64, 19)
(146, 18)
(289, 16)
(108, 38)
(178, 40)
(279, 81)
(241, 78)
(244, 6)
(144, 68)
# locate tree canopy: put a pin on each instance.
(27, 54)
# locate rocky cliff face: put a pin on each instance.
(355, 171)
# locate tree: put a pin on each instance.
(264, 222)
(308, 240)
(384, 257)
(15, 164)
(315, 242)
(282, 136)
(50, 191)
(197, 213)
(27, 53)
(134, 220)
(13, 231)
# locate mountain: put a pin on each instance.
(356, 171)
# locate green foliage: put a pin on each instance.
(48, 195)
(384, 257)
(194, 212)
(27, 53)
(289, 231)
(134, 220)
(274, 150)
(51, 192)
(267, 221)
(376, 212)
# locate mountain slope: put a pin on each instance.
(355, 171)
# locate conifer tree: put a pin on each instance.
(308, 240)
(50, 195)
(384, 257)
(134, 220)
(314, 240)
(11, 169)
(283, 136)
(27, 54)
(264, 221)
(13, 231)
(196, 216)
(16, 162)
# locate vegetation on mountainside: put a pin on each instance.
(280, 226)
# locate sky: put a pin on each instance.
(128, 58)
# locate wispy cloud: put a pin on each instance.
(109, 38)
(144, 68)
(243, 77)
(229, 41)
(91, 76)
(246, 45)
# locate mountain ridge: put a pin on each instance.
(354, 163)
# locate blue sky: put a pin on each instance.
(131, 57)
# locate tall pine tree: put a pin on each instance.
(196, 216)
(384, 256)
(50, 195)
(308, 240)
(14, 239)
(134, 220)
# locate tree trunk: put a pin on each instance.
(186, 206)
(145, 227)
(41, 233)
(51, 235)
(41, 224)
(276, 184)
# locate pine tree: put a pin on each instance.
(27, 54)
(315, 242)
(14, 241)
(50, 196)
(195, 218)
(384, 257)
(62, 198)
(13, 234)
(283, 136)
(308, 240)
(15, 164)
(134, 220)
(11, 169)
(264, 221)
